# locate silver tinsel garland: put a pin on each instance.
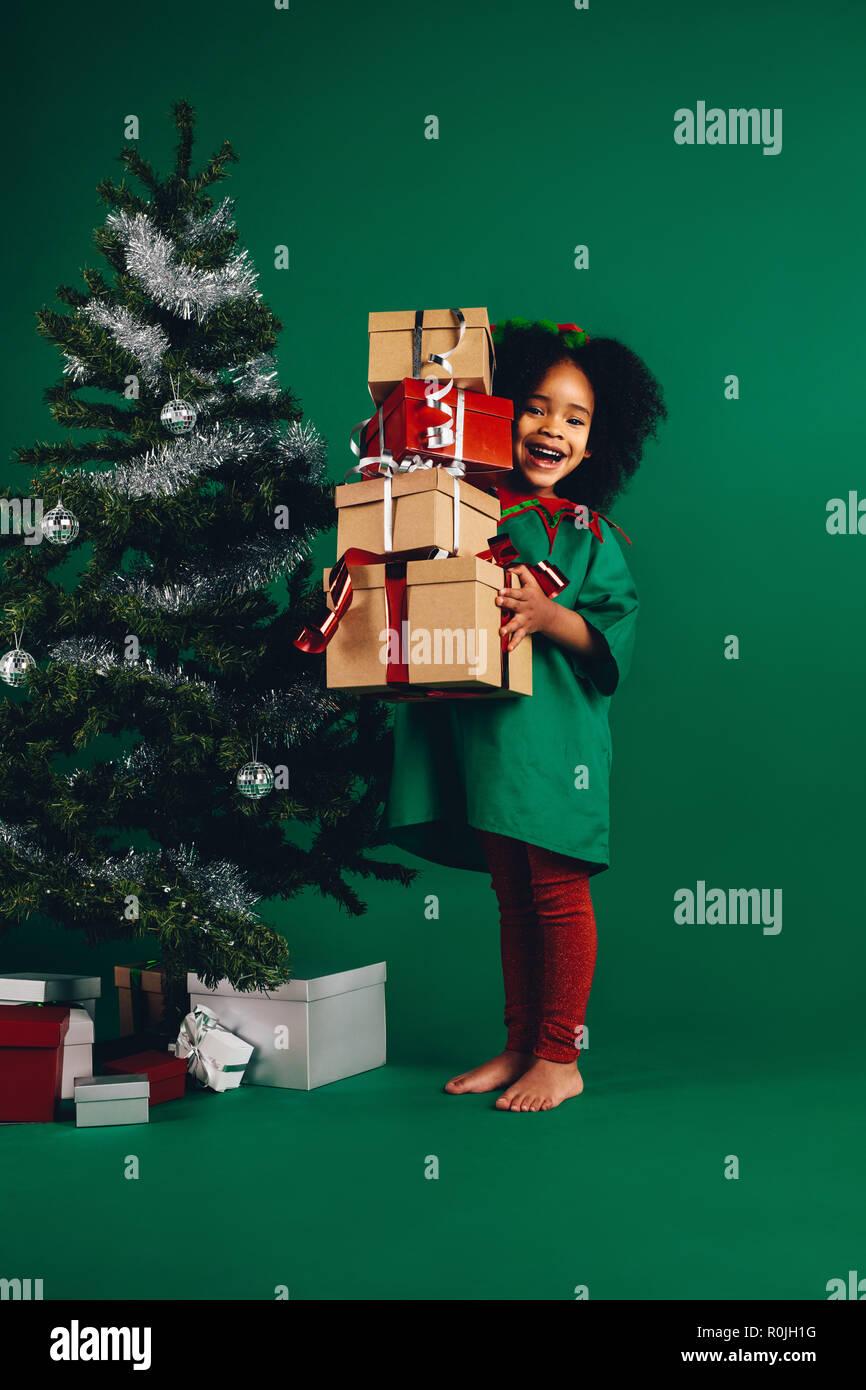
(293, 718)
(164, 471)
(205, 230)
(183, 289)
(220, 882)
(302, 445)
(285, 716)
(85, 651)
(146, 342)
(13, 839)
(78, 370)
(251, 380)
(256, 378)
(256, 562)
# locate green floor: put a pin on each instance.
(621, 1190)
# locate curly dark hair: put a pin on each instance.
(628, 402)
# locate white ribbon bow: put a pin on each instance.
(192, 1035)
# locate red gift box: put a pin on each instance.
(31, 1061)
(481, 426)
(166, 1074)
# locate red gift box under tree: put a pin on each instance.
(31, 1061)
(166, 1074)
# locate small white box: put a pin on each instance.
(111, 1100)
(317, 1028)
(40, 987)
(218, 1057)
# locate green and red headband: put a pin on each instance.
(572, 336)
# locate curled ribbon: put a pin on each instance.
(315, 639)
(190, 1045)
(441, 436)
(502, 552)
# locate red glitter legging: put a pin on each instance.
(548, 940)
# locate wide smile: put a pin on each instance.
(545, 455)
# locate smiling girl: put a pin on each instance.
(520, 787)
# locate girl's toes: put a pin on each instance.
(536, 1104)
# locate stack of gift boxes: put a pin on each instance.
(410, 603)
(46, 1050)
(313, 1030)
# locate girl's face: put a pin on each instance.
(551, 432)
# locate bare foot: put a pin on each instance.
(492, 1075)
(544, 1086)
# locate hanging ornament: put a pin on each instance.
(177, 415)
(59, 525)
(255, 779)
(16, 664)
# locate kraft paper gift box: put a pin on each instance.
(479, 428)
(38, 987)
(166, 1073)
(424, 507)
(402, 340)
(31, 1062)
(443, 622)
(315, 1029)
(111, 1100)
(140, 998)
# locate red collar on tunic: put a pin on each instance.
(551, 511)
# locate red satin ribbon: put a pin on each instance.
(500, 550)
(396, 613)
(315, 639)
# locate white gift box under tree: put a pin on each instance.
(215, 1055)
(77, 1050)
(315, 1029)
(111, 1100)
(39, 987)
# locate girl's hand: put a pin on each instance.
(529, 603)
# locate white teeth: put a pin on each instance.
(548, 453)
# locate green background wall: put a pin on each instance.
(556, 129)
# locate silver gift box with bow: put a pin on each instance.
(215, 1057)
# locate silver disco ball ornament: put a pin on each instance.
(59, 525)
(178, 416)
(255, 780)
(15, 665)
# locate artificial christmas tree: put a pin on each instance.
(197, 486)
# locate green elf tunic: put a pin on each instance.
(537, 767)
